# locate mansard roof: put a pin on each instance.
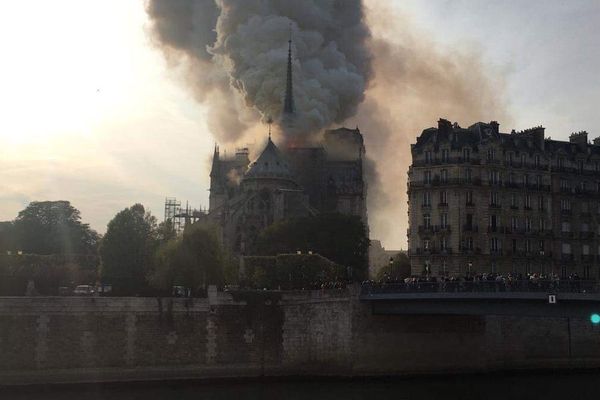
(270, 164)
(529, 141)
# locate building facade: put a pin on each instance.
(485, 201)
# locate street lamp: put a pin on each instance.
(469, 266)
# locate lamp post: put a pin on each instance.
(469, 266)
(392, 266)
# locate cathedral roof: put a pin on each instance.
(270, 164)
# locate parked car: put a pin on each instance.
(181, 291)
(84, 290)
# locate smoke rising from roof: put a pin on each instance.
(238, 55)
(414, 84)
(358, 63)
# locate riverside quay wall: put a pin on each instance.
(255, 334)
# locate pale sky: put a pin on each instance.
(92, 114)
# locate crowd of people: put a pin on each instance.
(484, 282)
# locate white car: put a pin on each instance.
(84, 290)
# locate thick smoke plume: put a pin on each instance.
(238, 54)
(355, 63)
(414, 85)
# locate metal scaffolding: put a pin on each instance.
(181, 216)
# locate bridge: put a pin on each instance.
(578, 299)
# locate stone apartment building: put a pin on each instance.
(485, 201)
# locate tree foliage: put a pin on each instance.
(49, 227)
(290, 271)
(341, 238)
(194, 260)
(167, 262)
(166, 231)
(127, 250)
(48, 272)
(7, 236)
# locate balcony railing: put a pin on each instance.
(469, 284)
(429, 229)
(469, 251)
(425, 229)
(442, 228)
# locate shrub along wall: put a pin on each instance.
(289, 271)
(48, 272)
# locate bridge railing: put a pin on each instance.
(545, 286)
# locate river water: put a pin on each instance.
(564, 386)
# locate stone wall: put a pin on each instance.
(69, 339)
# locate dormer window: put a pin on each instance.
(445, 155)
(428, 157)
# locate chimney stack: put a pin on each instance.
(579, 138)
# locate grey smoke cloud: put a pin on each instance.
(353, 63)
(414, 84)
(237, 53)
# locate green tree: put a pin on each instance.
(194, 260)
(53, 227)
(341, 238)
(166, 231)
(7, 237)
(203, 257)
(167, 264)
(127, 250)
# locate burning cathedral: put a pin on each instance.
(287, 181)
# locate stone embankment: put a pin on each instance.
(255, 334)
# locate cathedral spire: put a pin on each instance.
(288, 103)
(215, 170)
